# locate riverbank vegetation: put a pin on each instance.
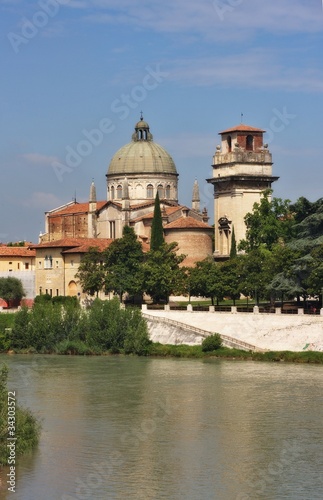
(62, 327)
(26, 426)
(186, 351)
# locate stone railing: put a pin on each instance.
(242, 156)
(227, 341)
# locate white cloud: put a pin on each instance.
(38, 159)
(42, 201)
(214, 19)
(255, 69)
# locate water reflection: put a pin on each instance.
(119, 428)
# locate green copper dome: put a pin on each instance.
(142, 155)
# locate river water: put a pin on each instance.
(135, 428)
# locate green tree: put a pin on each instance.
(122, 263)
(252, 274)
(314, 281)
(205, 280)
(157, 232)
(11, 290)
(230, 278)
(269, 222)
(91, 273)
(162, 274)
(233, 249)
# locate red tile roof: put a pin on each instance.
(76, 208)
(16, 252)
(71, 243)
(168, 210)
(99, 243)
(242, 128)
(187, 223)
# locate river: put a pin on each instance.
(136, 428)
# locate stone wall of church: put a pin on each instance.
(67, 226)
(196, 244)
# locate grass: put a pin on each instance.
(186, 351)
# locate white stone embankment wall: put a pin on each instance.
(266, 331)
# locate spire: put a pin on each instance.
(92, 193)
(196, 197)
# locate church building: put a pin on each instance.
(135, 174)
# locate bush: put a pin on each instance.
(27, 428)
(212, 343)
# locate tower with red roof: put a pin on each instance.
(242, 170)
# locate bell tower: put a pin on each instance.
(242, 170)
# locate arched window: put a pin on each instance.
(119, 192)
(249, 143)
(72, 289)
(112, 193)
(229, 142)
(150, 191)
(167, 192)
(160, 190)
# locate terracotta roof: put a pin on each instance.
(76, 208)
(187, 223)
(170, 203)
(70, 243)
(242, 128)
(168, 210)
(143, 204)
(16, 252)
(99, 243)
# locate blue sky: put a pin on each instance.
(70, 67)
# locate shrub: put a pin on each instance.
(212, 343)
(27, 427)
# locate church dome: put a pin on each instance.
(142, 155)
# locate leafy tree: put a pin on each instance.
(122, 263)
(162, 274)
(11, 290)
(269, 222)
(157, 232)
(205, 280)
(302, 208)
(252, 271)
(230, 278)
(91, 271)
(314, 281)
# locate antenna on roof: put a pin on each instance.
(241, 117)
(74, 199)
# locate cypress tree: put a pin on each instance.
(233, 250)
(157, 233)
